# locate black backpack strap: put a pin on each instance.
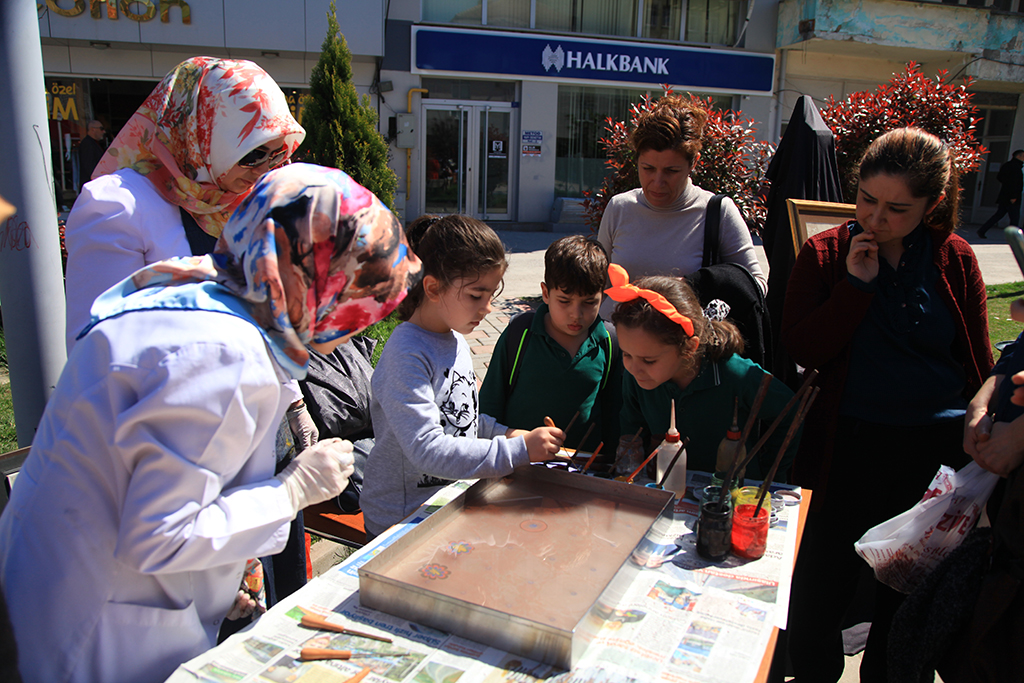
(199, 242)
(516, 340)
(712, 220)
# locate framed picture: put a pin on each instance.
(808, 218)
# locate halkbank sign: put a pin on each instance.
(561, 58)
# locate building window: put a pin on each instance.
(600, 17)
(662, 18)
(582, 114)
(466, 89)
(697, 21)
(454, 11)
(579, 158)
(711, 22)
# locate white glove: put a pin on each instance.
(318, 473)
(303, 428)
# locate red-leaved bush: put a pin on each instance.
(908, 99)
(732, 161)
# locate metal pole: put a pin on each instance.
(31, 277)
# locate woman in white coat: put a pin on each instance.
(151, 477)
(173, 175)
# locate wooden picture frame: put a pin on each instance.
(807, 218)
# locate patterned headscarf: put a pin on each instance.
(316, 253)
(203, 117)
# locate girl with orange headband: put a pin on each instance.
(672, 349)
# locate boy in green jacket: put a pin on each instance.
(561, 358)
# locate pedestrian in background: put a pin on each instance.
(1011, 179)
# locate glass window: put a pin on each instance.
(509, 13)
(579, 158)
(460, 89)
(454, 11)
(582, 114)
(661, 19)
(711, 22)
(600, 17)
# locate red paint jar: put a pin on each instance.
(749, 534)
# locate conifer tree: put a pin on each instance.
(341, 127)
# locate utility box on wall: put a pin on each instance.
(406, 131)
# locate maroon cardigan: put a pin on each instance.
(823, 310)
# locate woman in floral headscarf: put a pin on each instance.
(173, 175)
(151, 478)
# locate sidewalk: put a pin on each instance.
(526, 270)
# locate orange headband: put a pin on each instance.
(622, 291)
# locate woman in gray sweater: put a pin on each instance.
(658, 228)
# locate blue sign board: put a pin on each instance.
(562, 58)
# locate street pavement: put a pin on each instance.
(526, 270)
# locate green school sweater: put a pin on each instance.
(704, 413)
(551, 383)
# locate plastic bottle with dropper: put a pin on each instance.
(727, 447)
(676, 481)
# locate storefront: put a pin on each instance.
(503, 123)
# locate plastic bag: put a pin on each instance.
(905, 549)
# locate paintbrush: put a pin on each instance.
(313, 621)
(798, 396)
(805, 406)
(629, 479)
(307, 654)
(751, 418)
(571, 423)
(590, 460)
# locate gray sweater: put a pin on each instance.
(427, 426)
(650, 241)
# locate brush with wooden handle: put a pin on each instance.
(308, 654)
(313, 621)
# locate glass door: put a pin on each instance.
(445, 165)
(467, 159)
(493, 201)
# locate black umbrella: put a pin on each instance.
(804, 167)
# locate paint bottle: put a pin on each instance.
(676, 481)
(727, 448)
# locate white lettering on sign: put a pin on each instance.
(619, 63)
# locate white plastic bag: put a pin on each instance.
(905, 549)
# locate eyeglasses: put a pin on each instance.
(261, 155)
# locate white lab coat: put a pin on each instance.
(119, 224)
(149, 484)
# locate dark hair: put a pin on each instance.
(1016, 152)
(926, 165)
(576, 265)
(451, 247)
(672, 123)
(718, 339)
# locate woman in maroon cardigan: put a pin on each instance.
(890, 309)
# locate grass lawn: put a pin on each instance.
(1001, 328)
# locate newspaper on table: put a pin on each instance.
(681, 620)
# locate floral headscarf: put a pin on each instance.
(203, 117)
(317, 254)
